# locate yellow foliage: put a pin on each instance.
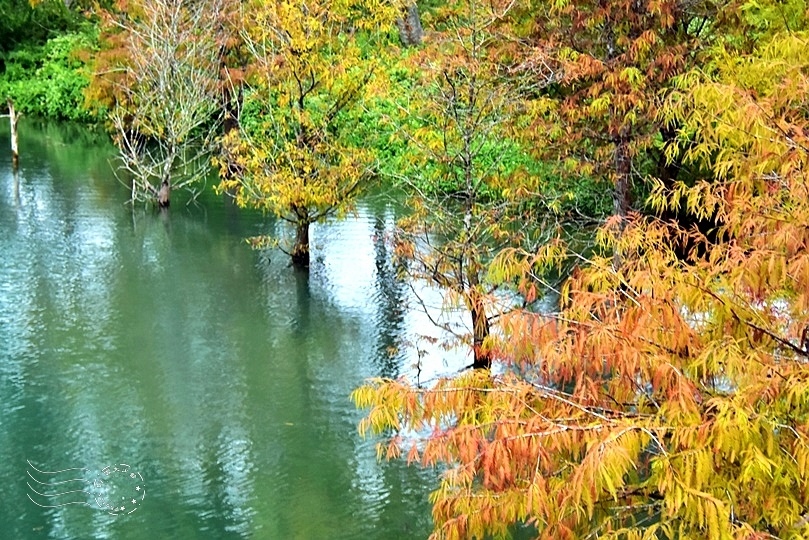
(309, 71)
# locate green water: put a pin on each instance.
(161, 341)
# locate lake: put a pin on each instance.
(160, 379)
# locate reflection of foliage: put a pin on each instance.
(49, 80)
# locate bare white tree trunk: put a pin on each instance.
(13, 117)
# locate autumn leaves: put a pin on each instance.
(666, 397)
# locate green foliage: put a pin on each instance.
(758, 20)
(22, 24)
(377, 126)
(550, 187)
(390, 119)
(49, 80)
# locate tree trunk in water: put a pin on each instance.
(15, 154)
(480, 321)
(164, 195)
(480, 331)
(300, 251)
(409, 24)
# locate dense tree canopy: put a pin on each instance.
(667, 393)
(667, 398)
(611, 63)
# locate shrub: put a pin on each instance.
(49, 80)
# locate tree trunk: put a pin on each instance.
(622, 196)
(15, 154)
(480, 331)
(231, 106)
(164, 194)
(231, 109)
(667, 172)
(480, 321)
(409, 24)
(300, 251)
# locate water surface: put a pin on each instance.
(163, 342)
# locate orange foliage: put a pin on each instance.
(611, 62)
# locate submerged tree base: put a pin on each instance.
(300, 260)
(164, 195)
(300, 251)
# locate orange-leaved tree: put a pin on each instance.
(668, 397)
(310, 71)
(612, 62)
